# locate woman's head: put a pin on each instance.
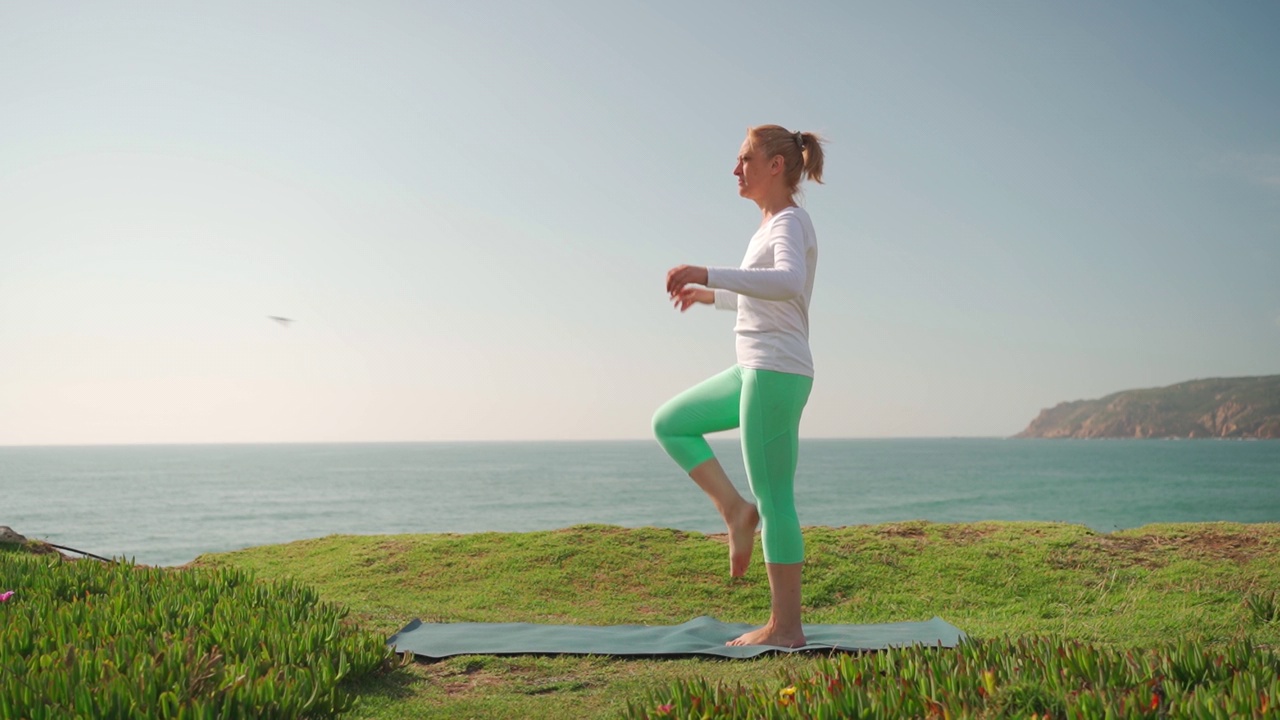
(774, 156)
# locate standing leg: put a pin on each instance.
(772, 403)
(784, 628)
(711, 406)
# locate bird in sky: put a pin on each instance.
(284, 321)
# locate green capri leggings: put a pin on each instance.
(767, 406)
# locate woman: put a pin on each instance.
(766, 390)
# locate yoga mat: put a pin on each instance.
(700, 636)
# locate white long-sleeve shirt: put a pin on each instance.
(771, 292)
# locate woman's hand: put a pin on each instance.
(678, 277)
(688, 296)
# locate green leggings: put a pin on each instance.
(767, 406)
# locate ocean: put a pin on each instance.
(167, 504)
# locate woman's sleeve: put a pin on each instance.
(783, 281)
(725, 299)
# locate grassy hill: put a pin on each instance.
(1246, 407)
(1213, 584)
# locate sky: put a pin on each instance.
(468, 210)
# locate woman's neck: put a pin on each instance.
(774, 203)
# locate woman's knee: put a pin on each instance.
(663, 422)
(777, 514)
(784, 551)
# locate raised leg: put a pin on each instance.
(740, 516)
(680, 425)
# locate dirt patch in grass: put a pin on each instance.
(388, 555)
(966, 534)
(1196, 543)
(897, 539)
(1239, 548)
(1155, 550)
(464, 677)
(1143, 551)
(478, 676)
(1108, 552)
(394, 547)
(902, 530)
(467, 684)
(650, 611)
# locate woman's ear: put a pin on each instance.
(777, 165)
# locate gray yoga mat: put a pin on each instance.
(700, 636)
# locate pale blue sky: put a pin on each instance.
(469, 209)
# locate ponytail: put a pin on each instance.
(811, 148)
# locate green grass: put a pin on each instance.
(1210, 584)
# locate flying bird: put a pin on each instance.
(284, 321)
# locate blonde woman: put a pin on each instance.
(765, 392)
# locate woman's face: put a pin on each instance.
(753, 172)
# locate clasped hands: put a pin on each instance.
(678, 281)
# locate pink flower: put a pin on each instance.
(666, 709)
(4, 596)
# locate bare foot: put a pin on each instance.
(742, 538)
(768, 635)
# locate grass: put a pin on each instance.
(1210, 584)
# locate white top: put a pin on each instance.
(771, 292)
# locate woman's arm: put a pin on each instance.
(783, 281)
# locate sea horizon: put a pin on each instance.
(168, 503)
(234, 443)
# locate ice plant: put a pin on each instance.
(787, 695)
(1030, 678)
(240, 647)
(989, 682)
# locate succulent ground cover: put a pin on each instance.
(89, 639)
(1027, 678)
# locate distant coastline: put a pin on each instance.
(1246, 408)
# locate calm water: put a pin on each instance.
(165, 505)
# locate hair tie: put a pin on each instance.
(800, 139)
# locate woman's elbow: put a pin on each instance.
(790, 289)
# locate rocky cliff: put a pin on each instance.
(1246, 407)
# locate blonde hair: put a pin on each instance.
(801, 151)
